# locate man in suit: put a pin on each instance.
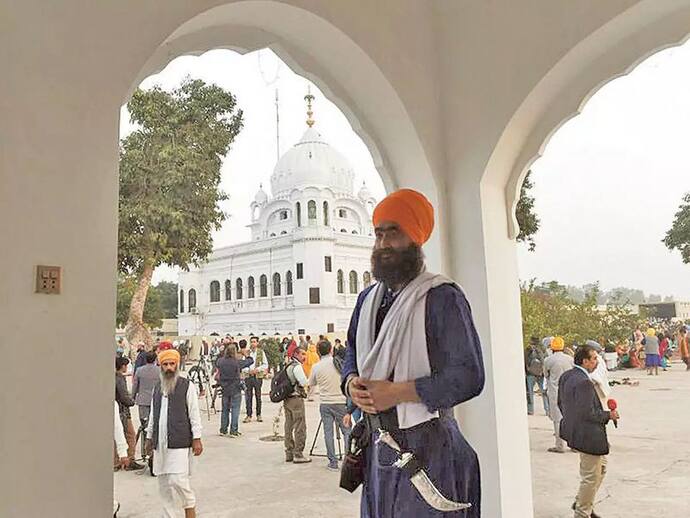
(145, 379)
(583, 427)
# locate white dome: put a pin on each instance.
(312, 163)
(261, 196)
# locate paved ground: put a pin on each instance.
(649, 466)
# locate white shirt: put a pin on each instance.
(300, 376)
(600, 378)
(175, 460)
(260, 367)
(326, 376)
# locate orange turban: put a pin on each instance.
(167, 355)
(557, 344)
(409, 209)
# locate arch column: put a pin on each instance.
(495, 423)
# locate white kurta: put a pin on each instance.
(554, 367)
(175, 460)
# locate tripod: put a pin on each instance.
(316, 436)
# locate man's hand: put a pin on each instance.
(197, 448)
(347, 420)
(615, 416)
(383, 394)
(360, 395)
(124, 462)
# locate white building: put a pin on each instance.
(308, 258)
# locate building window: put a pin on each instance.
(283, 233)
(273, 234)
(342, 213)
(328, 263)
(283, 214)
(300, 271)
(343, 230)
(301, 331)
(330, 328)
(355, 232)
(192, 299)
(263, 286)
(314, 296)
(215, 291)
(250, 288)
(353, 282)
(341, 282)
(325, 213)
(276, 284)
(288, 283)
(366, 279)
(311, 210)
(298, 210)
(181, 301)
(228, 290)
(238, 289)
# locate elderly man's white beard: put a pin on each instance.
(168, 383)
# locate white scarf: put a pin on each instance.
(401, 344)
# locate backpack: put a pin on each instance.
(534, 365)
(282, 385)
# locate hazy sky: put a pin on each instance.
(250, 162)
(611, 180)
(606, 188)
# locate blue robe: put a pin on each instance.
(457, 375)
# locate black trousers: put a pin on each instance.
(253, 388)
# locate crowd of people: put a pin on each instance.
(574, 386)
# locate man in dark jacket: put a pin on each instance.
(229, 378)
(584, 427)
(125, 401)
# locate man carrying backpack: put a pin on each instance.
(293, 405)
(534, 374)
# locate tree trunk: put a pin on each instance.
(136, 330)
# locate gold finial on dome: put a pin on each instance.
(310, 113)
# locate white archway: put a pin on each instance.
(372, 107)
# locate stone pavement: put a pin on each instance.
(649, 465)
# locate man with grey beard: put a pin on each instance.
(174, 432)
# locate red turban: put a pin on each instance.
(410, 210)
(164, 346)
(291, 349)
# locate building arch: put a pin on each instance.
(311, 210)
(340, 281)
(181, 301)
(191, 295)
(366, 280)
(263, 286)
(214, 291)
(326, 218)
(238, 289)
(250, 287)
(228, 290)
(276, 285)
(298, 210)
(354, 282)
(288, 283)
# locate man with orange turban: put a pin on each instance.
(413, 355)
(554, 367)
(174, 433)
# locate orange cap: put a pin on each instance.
(409, 209)
(167, 355)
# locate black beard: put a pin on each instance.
(400, 267)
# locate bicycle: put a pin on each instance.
(200, 376)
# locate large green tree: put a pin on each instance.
(526, 217)
(153, 308)
(678, 236)
(167, 291)
(169, 182)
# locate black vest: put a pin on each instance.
(179, 425)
